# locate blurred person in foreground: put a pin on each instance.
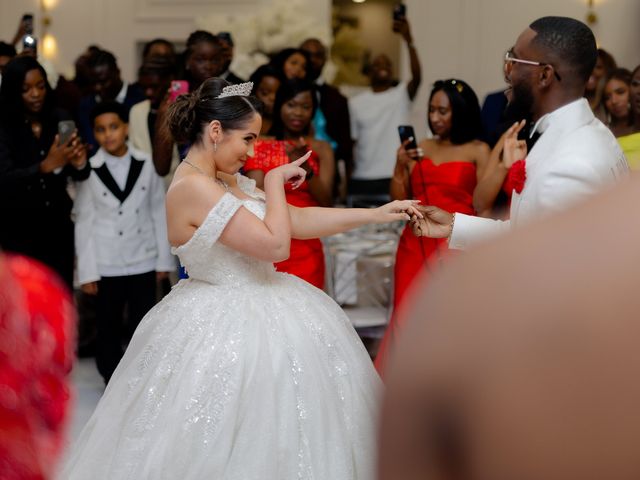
(572, 154)
(37, 333)
(533, 375)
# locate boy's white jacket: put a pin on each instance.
(121, 232)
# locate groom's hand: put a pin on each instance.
(437, 223)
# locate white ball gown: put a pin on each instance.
(240, 372)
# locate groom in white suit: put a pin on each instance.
(575, 155)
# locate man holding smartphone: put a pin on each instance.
(375, 116)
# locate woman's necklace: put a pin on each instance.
(217, 180)
(36, 128)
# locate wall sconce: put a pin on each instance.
(49, 44)
(592, 18)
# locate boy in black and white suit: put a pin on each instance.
(120, 232)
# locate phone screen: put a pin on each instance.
(29, 42)
(177, 88)
(406, 132)
(65, 130)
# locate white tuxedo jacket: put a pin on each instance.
(119, 230)
(575, 156)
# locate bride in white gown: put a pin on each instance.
(240, 372)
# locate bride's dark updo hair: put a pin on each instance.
(188, 115)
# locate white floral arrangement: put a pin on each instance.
(282, 24)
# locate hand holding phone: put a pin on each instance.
(177, 88)
(30, 44)
(407, 134)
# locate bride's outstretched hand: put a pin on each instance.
(434, 222)
(397, 210)
(292, 172)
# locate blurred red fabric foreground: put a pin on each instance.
(37, 339)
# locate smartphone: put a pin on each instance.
(177, 88)
(65, 130)
(29, 42)
(406, 133)
(399, 11)
(27, 20)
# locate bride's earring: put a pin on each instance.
(215, 146)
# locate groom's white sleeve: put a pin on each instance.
(469, 230)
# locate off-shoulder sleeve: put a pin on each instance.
(213, 225)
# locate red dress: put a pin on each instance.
(448, 186)
(307, 258)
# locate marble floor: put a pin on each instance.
(88, 388)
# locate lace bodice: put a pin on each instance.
(208, 260)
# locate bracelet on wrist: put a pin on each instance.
(453, 221)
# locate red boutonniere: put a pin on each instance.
(516, 177)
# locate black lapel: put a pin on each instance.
(132, 178)
(105, 175)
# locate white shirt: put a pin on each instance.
(575, 157)
(374, 126)
(118, 167)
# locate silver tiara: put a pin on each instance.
(239, 90)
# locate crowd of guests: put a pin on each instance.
(89, 200)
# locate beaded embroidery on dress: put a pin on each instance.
(240, 372)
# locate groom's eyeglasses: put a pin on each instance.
(510, 59)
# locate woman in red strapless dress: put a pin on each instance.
(294, 108)
(443, 172)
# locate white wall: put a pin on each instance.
(119, 25)
(467, 38)
(461, 38)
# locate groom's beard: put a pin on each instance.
(520, 106)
